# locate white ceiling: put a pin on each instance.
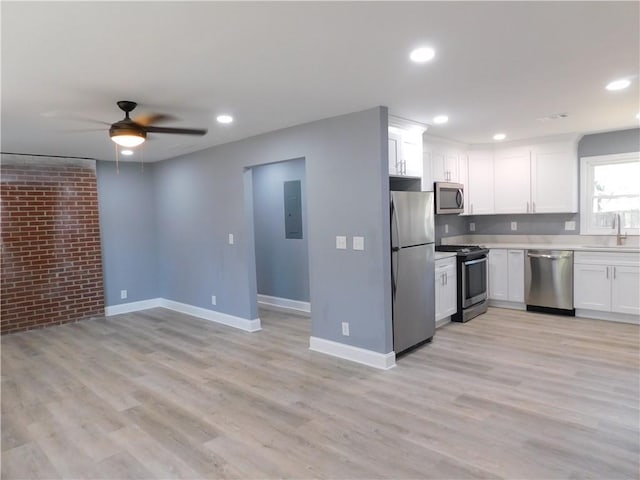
(499, 66)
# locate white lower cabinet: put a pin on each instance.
(446, 288)
(607, 282)
(506, 275)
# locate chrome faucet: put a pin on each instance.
(619, 238)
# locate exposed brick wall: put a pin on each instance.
(51, 269)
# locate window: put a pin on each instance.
(610, 186)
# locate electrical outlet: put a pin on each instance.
(358, 243)
(472, 226)
(341, 242)
(514, 226)
(123, 294)
(345, 329)
(231, 239)
(446, 228)
(570, 225)
(214, 301)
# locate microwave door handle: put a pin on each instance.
(459, 198)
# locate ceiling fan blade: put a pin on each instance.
(77, 118)
(83, 130)
(152, 118)
(180, 131)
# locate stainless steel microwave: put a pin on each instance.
(449, 197)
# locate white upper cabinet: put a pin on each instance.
(405, 147)
(446, 160)
(554, 178)
(445, 165)
(542, 178)
(395, 152)
(479, 186)
(512, 180)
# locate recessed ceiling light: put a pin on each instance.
(224, 118)
(126, 152)
(422, 54)
(618, 84)
(499, 136)
(440, 119)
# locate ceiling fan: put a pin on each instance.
(131, 133)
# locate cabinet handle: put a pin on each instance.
(533, 207)
(614, 273)
(471, 208)
(607, 272)
(446, 278)
(527, 207)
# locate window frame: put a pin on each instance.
(586, 191)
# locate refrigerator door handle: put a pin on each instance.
(394, 269)
(394, 251)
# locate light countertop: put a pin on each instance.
(441, 255)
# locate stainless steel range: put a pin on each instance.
(471, 261)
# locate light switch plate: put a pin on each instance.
(345, 329)
(570, 225)
(358, 243)
(446, 228)
(514, 226)
(231, 239)
(472, 226)
(341, 242)
(123, 294)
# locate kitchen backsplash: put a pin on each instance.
(538, 224)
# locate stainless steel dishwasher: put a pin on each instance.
(548, 281)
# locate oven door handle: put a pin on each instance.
(473, 262)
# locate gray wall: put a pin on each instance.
(620, 141)
(127, 223)
(282, 267)
(202, 197)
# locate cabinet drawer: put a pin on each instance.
(607, 258)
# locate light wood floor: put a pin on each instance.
(157, 394)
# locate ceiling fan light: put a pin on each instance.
(128, 140)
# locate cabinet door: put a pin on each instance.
(512, 181)
(395, 153)
(446, 288)
(516, 275)
(479, 187)
(592, 287)
(450, 291)
(498, 274)
(624, 289)
(554, 178)
(451, 160)
(438, 166)
(412, 157)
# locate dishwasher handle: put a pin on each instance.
(546, 255)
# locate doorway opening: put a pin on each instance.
(280, 232)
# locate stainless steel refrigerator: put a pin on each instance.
(412, 268)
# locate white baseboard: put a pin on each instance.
(211, 315)
(507, 304)
(284, 304)
(443, 321)
(132, 307)
(609, 316)
(383, 361)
